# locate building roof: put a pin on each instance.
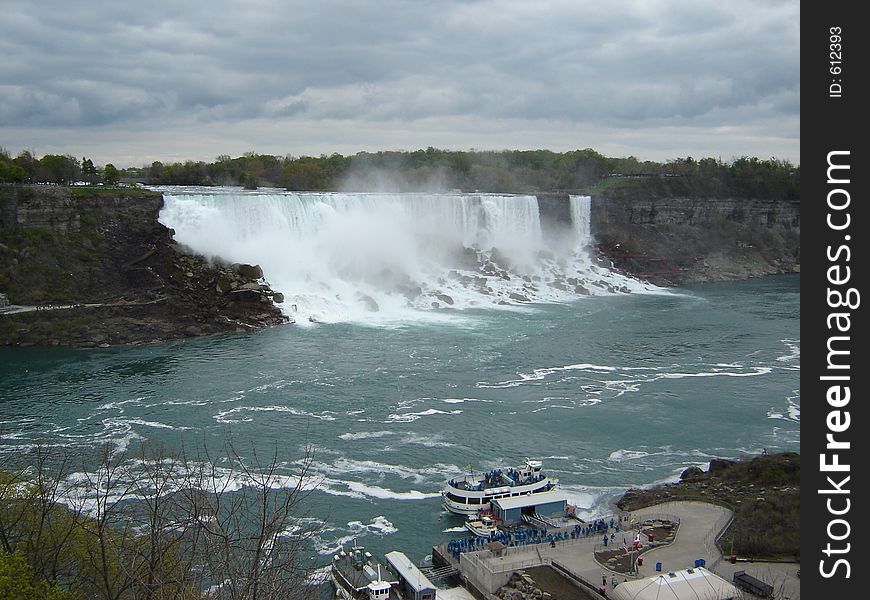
(409, 571)
(686, 584)
(530, 500)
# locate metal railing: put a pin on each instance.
(711, 540)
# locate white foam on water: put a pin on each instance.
(379, 526)
(365, 435)
(224, 416)
(428, 441)
(156, 424)
(119, 404)
(622, 454)
(794, 354)
(619, 380)
(792, 409)
(591, 502)
(303, 526)
(464, 400)
(382, 259)
(410, 417)
(346, 466)
(356, 489)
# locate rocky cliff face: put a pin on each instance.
(680, 240)
(93, 267)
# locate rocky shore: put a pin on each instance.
(94, 268)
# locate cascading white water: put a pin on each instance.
(388, 257)
(581, 210)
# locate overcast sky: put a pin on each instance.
(133, 82)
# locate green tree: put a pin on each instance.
(11, 173)
(17, 581)
(28, 163)
(89, 171)
(59, 169)
(303, 176)
(111, 175)
(156, 173)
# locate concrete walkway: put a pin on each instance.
(700, 523)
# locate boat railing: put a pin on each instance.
(496, 478)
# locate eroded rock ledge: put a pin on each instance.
(94, 267)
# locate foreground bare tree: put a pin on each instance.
(249, 538)
(159, 526)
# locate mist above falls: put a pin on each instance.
(384, 257)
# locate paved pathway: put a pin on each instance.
(12, 309)
(700, 522)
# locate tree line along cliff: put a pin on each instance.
(433, 169)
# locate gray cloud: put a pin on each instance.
(229, 73)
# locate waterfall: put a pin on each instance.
(381, 258)
(581, 211)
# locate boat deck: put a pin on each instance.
(361, 570)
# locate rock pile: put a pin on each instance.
(521, 587)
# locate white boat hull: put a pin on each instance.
(467, 509)
(340, 590)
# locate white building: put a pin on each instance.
(687, 584)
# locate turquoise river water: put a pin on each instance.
(608, 391)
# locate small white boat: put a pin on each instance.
(483, 526)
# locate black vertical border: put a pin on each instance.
(832, 122)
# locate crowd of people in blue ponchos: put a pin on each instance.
(500, 477)
(523, 537)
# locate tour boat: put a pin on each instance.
(472, 493)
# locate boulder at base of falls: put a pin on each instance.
(249, 271)
(369, 302)
(445, 299)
